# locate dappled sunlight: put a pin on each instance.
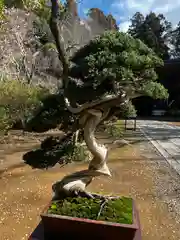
(66, 82)
(124, 153)
(26, 191)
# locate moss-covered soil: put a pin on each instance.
(115, 210)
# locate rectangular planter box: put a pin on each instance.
(58, 227)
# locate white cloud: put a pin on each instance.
(163, 9)
(125, 9)
(134, 4)
(167, 8)
(118, 5)
(123, 27)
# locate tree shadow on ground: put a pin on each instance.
(42, 159)
(48, 155)
(51, 151)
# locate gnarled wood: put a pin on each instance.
(91, 114)
(77, 182)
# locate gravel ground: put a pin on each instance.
(165, 178)
(167, 183)
(137, 171)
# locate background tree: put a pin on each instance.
(176, 41)
(135, 28)
(100, 78)
(154, 30)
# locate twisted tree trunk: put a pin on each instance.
(99, 151)
(90, 118)
(76, 183)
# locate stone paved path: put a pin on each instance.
(165, 138)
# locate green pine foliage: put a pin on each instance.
(116, 58)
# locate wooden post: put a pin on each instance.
(135, 124)
(125, 123)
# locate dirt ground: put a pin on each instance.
(25, 191)
(175, 123)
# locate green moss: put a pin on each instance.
(116, 210)
(119, 210)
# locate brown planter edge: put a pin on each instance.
(52, 221)
(133, 225)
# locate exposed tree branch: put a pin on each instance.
(85, 106)
(59, 41)
(135, 95)
(65, 62)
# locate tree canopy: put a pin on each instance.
(154, 30)
(118, 61)
(112, 64)
(175, 41)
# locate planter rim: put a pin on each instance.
(134, 225)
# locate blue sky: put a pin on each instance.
(123, 10)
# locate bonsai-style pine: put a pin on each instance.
(99, 81)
